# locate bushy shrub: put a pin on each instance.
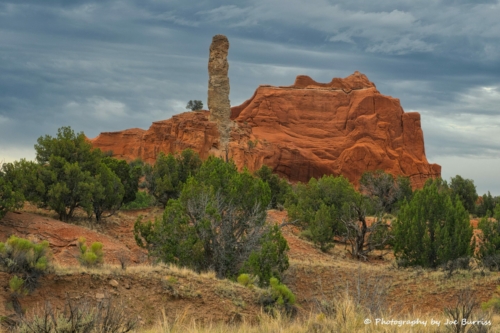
(247, 280)
(278, 297)
(486, 205)
(330, 206)
(10, 199)
(90, 257)
(386, 191)
(317, 206)
(280, 188)
(166, 178)
(23, 257)
(16, 285)
(142, 200)
(489, 240)
(465, 190)
(281, 293)
(218, 223)
(17, 290)
(433, 228)
(71, 174)
(270, 259)
(244, 279)
(194, 105)
(78, 316)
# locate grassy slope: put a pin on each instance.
(179, 300)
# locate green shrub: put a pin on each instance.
(307, 235)
(280, 189)
(166, 178)
(433, 228)
(90, 257)
(271, 259)
(282, 294)
(244, 279)
(493, 303)
(16, 285)
(10, 198)
(218, 223)
(21, 256)
(142, 200)
(331, 207)
(194, 105)
(278, 297)
(247, 280)
(386, 192)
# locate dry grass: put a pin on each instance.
(332, 286)
(347, 318)
(142, 270)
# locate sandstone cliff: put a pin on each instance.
(309, 129)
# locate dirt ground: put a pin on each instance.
(315, 277)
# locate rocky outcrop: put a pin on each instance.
(344, 127)
(218, 87)
(309, 129)
(186, 130)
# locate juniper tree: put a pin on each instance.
(217, 223)
(432, 228)
(107, 192)
(168, 175)
(194, 105)
(279, 187)
(10, 198)
(329, 207)
(384, 189)
(466, 192)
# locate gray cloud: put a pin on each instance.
(109, 65)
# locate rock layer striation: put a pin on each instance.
(308, 129)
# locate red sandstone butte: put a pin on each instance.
(309, 129)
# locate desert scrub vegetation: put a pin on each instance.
(218, 223)
(68, 175)
(278, 297)
(346, 316)
(142, 270)
(25, 258)
(11, 197)
(433, 228)
(142, 200)
(280, 188)
(166, 178)
(80, 316)
(90, 257)
(330, 207)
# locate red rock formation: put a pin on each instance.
(309, 129)
(186, 130)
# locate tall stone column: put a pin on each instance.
(218, 87)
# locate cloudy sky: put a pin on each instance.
(109, 65)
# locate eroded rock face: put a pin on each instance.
(186, 130)
(218, 86)
(309, 129)
(344, 127)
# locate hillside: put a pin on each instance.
(315, 277)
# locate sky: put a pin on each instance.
(110, 65)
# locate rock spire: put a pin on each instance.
(218, 88)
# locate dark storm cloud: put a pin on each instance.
(109, 65)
